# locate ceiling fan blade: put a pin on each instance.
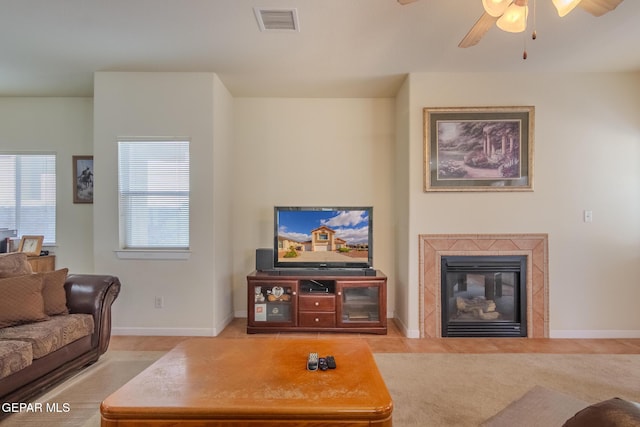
(478, 30)
(403, 2)
(599, 7)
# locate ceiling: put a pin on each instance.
(345, 48)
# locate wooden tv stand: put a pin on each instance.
(316, 303)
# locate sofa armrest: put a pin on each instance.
(94, 294)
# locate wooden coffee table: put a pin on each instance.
(255, 382)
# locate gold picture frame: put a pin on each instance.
(478, 148)
(31, 245)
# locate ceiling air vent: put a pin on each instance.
(277, 19)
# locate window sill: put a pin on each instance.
(152, 254)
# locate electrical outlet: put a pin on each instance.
(159, 302)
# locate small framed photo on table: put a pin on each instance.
(31, 245)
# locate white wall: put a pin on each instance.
(164, 105)
(277, 146)
(587, 156)
(63, 126)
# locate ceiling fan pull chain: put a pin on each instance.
(534, 35)
(524, 38)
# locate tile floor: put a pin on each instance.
(395, 342)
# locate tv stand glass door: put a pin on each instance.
(274, 302)
(360, 304)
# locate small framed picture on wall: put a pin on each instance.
(82, 179)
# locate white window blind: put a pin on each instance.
(28, 195)
(154, 194)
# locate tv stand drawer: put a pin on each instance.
(317, 303)
(317, 320)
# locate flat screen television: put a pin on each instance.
(323, 237)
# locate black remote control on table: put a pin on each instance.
(331, 362)
(322, 364)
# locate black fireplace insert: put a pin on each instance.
(484, 296)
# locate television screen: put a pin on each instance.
(323, 237)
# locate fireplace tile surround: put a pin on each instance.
(534, 246)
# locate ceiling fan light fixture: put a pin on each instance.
(514, 19)
(565, 6)
(495, 8)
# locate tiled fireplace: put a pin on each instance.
(532, 246)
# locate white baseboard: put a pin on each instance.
(225, 322)
(409, 333)
(167, 332)
(594, 334)
(412, 333)
(173, 332)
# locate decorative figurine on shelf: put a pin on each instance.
(277, 294)
(277, 291)
(259, 297)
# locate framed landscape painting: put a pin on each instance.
(478, 149)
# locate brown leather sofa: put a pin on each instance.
(86, 294)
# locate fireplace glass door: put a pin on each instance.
(483, 296)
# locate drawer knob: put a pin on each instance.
(317, 303)
(316, 319)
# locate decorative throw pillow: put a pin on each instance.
(53, 293)
(21, 300)
(14, 264)
(614, 412)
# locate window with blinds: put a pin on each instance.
(153, 188)
(28, 194)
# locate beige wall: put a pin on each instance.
(277, 144)
(250, 154)
(63, 126)
(406, 306)
(587, 157)
(222, 193)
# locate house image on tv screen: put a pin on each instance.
(323, 236)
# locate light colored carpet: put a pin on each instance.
(551, 408)
(467, 389)
(427, 389)
(84, 392)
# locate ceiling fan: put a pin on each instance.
(511, 15)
